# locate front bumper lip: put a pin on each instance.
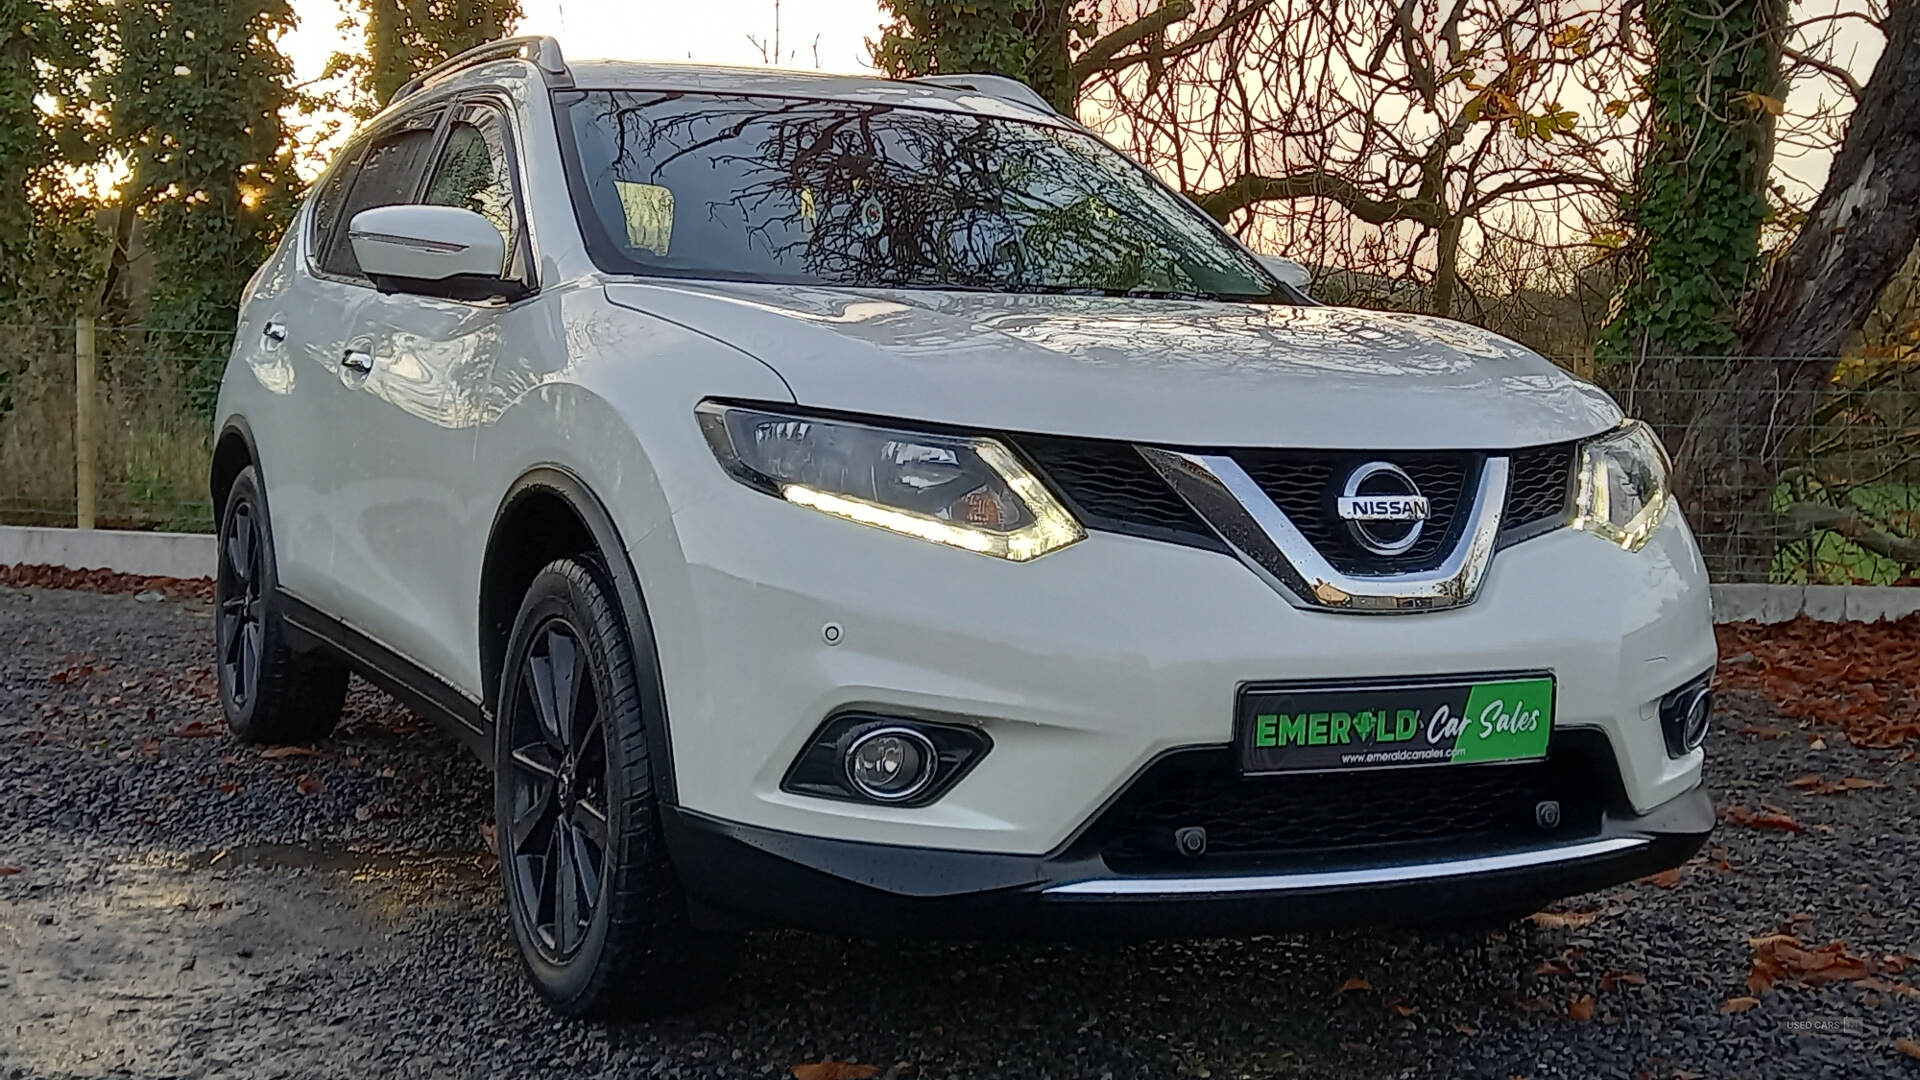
(1359, 877)
(739, 876)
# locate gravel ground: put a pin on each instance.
(184, 906)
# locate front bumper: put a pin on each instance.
(1087, 664)
(739, 876)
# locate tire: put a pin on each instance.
(597, 911)
(269, 692)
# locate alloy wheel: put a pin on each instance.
(242, 604)
(557, 837)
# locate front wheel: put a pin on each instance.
(597, 912)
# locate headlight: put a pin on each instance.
(960, 491)
(1623, 485)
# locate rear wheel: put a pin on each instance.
(597, 912)
(269, 692)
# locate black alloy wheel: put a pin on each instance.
(557, 787)
(242, 605)
(596, 909)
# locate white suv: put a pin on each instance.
(883, 507)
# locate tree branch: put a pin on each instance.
(1806, 517)
(1098, 56)
(1315, 183)
(1833, 71)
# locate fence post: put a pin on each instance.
(84, 473)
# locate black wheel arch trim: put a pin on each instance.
(561, 482)
(235, 427)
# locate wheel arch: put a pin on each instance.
(233, 451)
(548, 513)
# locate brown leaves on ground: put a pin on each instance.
(275, 753)
(1581, 1008)
(1815, 784)
(8, 869)
(835, 1070)
(1863, 678)
(309, 784)
(1355, 983)
(1562, 920)
(1738, 1005)
(200, 729)
(1786, 958)
(40, 575)
(1907, 1047)
(1665, 879)
(1767, 817)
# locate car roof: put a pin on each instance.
(634, 75)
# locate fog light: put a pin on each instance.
(1684, 714)
(891, 763)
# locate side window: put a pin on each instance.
(475, 172)
(326, 200)
(388, 174)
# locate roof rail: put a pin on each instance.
(994, 86)
(541, 51)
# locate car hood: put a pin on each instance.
(1162, 371)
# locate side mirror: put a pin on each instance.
(433, 251)
(1288, 271)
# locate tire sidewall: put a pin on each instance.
(557, 595)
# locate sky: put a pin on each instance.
(710, 31)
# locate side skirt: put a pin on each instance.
(415, 687)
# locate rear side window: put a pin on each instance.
(389, 174)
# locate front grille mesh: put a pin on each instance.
(1539, 484)
(1274, 819)
(1110, 487)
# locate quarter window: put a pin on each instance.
(475, 172)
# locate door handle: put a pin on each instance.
(275, 332)
(357, 360)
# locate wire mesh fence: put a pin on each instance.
(1819, 485)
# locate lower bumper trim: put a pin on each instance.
(1339, 879)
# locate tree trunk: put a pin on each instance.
(1446, 267)
(1859, 232)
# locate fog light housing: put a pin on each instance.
(890, 764)
(1684, 714)
(891, 760)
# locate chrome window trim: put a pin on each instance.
(1335, 879)
(1268, 542)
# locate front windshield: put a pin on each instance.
(861, 194)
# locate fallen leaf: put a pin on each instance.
(1580, 1008)
(1907, 1047)
(199, 729)
(1528, 1004)
(1859, 783)
(1466, 1029)
(8, 869)
(1612, 979)
(1738, 1005)
(1403, 1008)
(275, 753)
(151, 748)
(309, 784)
(489, 837)
(1355, 983)
(1760, 819)
(1665, 879)
(835, 1070)
(1563, 920)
